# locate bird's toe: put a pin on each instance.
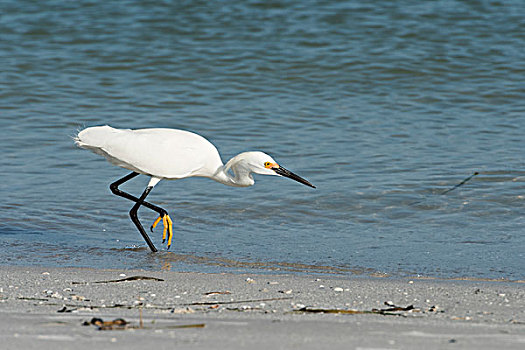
(167, 232)
(155, 223)
(169, 226)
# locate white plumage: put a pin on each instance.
(172, 154)
(165, 153)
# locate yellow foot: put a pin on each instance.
(168, 226)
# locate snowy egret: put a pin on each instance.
(171, 154)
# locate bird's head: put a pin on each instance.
(261, 163)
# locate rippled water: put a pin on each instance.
(383, 105)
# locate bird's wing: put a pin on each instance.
(164, 153)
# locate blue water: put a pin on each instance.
(382, 105)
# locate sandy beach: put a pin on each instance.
(49, 308)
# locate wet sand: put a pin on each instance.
(49, 308)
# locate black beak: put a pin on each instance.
(287, 173)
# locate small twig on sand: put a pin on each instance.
(132, 278)
(238, 301)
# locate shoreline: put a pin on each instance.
(46, 307)
(190, 263)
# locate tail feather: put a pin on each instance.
(95, 137)
(96, 140)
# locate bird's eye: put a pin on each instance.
(267, 164)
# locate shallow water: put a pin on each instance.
(383, 106)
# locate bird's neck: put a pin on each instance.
(235, 174)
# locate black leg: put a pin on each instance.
(114, 188)
(135, 219)
(138, 202)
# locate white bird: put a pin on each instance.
(171, 154)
